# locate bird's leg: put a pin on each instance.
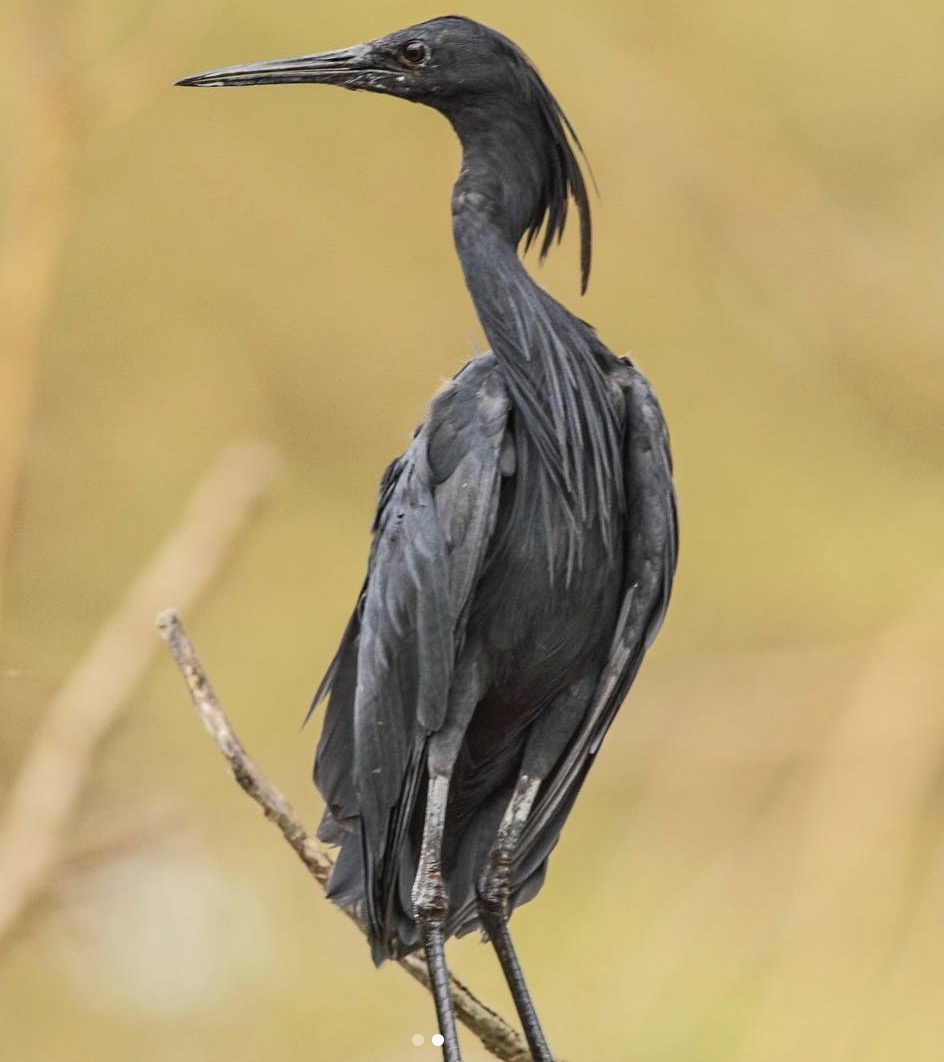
(430, 904)
(547, 740)
(493, 894)
(493, 885)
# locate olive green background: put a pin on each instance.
(755, 870)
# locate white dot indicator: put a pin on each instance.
(417, 1039)
(438, 1040)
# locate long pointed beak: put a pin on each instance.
(349, 67)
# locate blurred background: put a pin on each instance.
(755, 870)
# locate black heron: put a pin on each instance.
(523, 546)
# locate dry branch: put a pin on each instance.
(50, 782)
(498, 1037)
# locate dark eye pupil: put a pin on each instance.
(414, 52)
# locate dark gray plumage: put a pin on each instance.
(523, 546)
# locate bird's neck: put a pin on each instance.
(493, 273)
(523, 323)
(505, 164)
(493, 201)
(554, 366)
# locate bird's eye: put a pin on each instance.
(414, 52)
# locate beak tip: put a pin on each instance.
(201, 80)
(209, 80)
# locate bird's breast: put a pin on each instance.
(545, 625)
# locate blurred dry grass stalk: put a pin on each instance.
(45, 794)
(858, 910)
(49, 123)
(56, 101)
(829, 885)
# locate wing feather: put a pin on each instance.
(651, 551)
(435, 518)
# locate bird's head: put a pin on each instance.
(434, 63)
(482, 82)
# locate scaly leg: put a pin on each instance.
(430, 904)
(493, 895)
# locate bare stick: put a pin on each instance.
(50, 782)
(498, 1037)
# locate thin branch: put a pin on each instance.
(51, 780)
(498, 1037)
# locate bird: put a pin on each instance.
(523, 546)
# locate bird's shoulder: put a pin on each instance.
(460, 440)
(641, 410)
(466, 416)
